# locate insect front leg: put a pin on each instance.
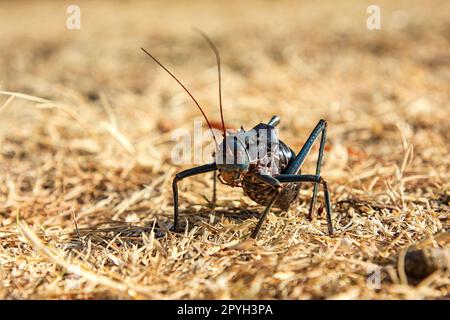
(180, 176)
(297, 163)
(289, 178)
(273, 182)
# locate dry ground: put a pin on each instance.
(85, 178)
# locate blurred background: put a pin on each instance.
(299, 59)
(104, 128)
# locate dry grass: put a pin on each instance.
(85, 177)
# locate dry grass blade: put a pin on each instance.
(28, 97)
(7, 102)
(76, 267)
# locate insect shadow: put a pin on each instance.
(212, 216)
(195, 214)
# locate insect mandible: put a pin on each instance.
(268, 171)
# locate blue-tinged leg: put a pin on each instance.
(180, 176)
(292, 178)
(276, 185)
(318, 167)
(263, 217)
(297, 163)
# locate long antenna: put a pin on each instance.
(185, 89)
(216, 52)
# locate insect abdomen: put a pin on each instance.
(261, 193)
